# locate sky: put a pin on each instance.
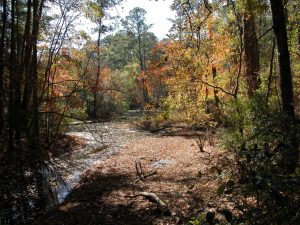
(158, 13)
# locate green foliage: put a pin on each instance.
(197, 220)
(154, 121)
(182, 107)
(94, 11)
(253, 124)
(262, 140)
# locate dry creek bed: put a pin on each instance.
(112, 163)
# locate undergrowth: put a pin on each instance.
(262, 141)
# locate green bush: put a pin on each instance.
(261, 140)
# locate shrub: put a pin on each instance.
(261, 138)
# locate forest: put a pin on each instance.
(102, 122)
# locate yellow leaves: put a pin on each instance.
(196, 72)
(94, 11)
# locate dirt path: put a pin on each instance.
(184, 180)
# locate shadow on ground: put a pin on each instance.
(92, 202)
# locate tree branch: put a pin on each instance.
(267, 31)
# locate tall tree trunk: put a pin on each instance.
(251, 49)
(142, 67)
(96, 89)
(280, 32)
(11, 109)
(145, 89)
(207, 110)
(25, 69)
(37, 11)
(140, 48)
(2, 40)
(271, 70)
(18, 76)
(286, 86)
(216, 96)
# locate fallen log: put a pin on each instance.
(152, 197)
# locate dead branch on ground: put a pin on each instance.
(140, 173)
(152, 197)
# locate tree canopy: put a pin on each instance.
(231, 66)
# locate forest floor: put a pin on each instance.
(185, 177)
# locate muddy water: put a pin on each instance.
(102, 140)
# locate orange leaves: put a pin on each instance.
(199, 67)
(64, 83)
(105, 78)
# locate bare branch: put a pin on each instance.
(217, 87)
(267, 31)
